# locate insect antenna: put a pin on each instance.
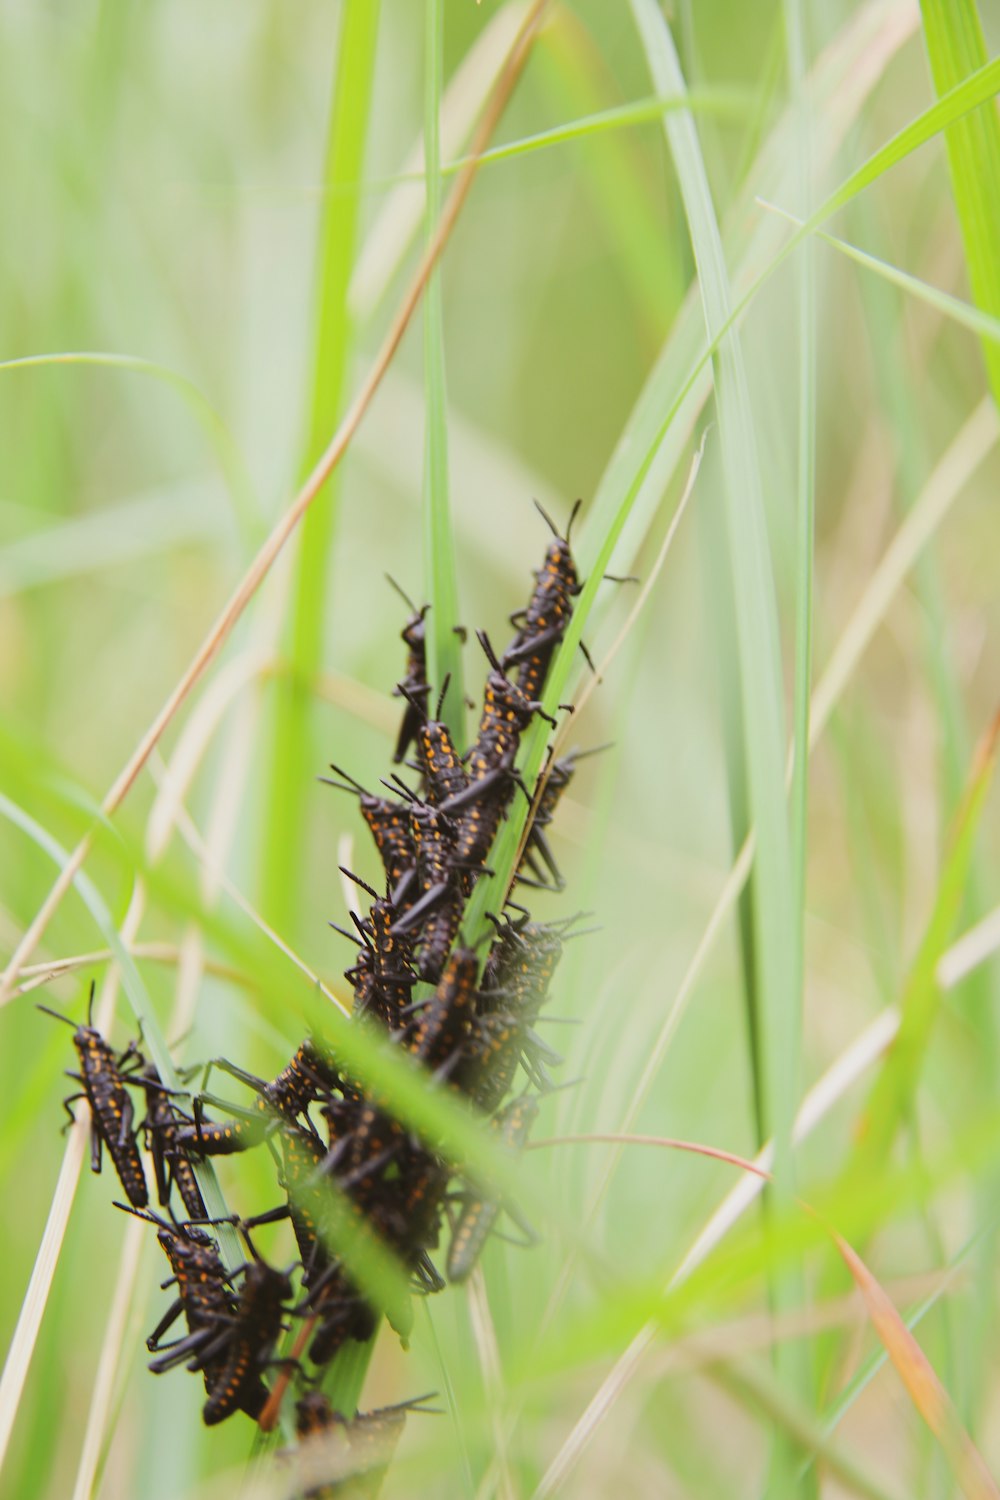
(57, 1014)
(400, 591)
(147, 1214)
(547, 518)
(359, 882)
(351, 937)
(355, 786)
(399, 785)
(491, 655)
(415, 698)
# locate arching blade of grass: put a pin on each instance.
(985, 324)
(921, 1382)
(444, 648)
(847, 1399)
(140, 1002)
(895, 1087)
(776, 912)
(293, 749)
(230, 459)
(726, 103)
(955, 47)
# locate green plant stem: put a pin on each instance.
(444, 649)
(293, 754)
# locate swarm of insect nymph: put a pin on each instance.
(470, 1027)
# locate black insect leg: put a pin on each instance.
(474, 791)
(66, 1106)
(271, 1216)
(170, 1317)
(252, 1082)
(192, 1344)
(419, 910)
(128, 1114)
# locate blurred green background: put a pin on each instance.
(172, 198)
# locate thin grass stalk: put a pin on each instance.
(444, 651)
(805, 508)
(727, 103)
(293, 756)
(776, 913)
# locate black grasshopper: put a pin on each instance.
(302, 1153)
(560, 774)
(343, 1311)
(388, 822)
(103, 1077)
(359, 1448)
(414, 686)
(478, 1215)
(239, 1349)
(516, 981)
(542, 624)
(500, 1041)
(171, 1164)
(310, 1074)
(521, 964)
(439, 1035)
(479, 809)
(438, 760)
(436, 913)
(383, 976)
(204, 1294)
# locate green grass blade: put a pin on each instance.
(982, 323)
(238, 482)
(805, 481)
(726, 103)
(805, 507)
(293, 752)
(953, 37)
(896, 1084)
(444, 649)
